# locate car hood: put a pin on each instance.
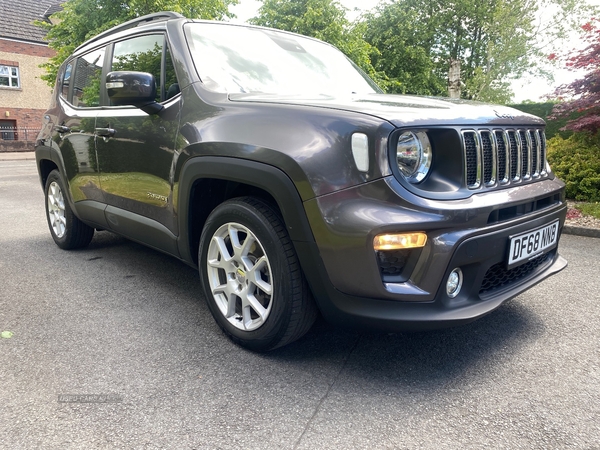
(404, 110)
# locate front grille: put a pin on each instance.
(499, 276)
(503, 157)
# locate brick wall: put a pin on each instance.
(17, 146)
(23, 48)
(25, 117)
(29, 123)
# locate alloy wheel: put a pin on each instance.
(56, 210)
(240, 276)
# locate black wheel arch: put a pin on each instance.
(47, 160)
(207, 181)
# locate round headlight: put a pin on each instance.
(414, 155)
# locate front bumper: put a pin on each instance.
(469, 234)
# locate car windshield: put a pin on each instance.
(236, 59)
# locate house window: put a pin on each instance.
(8, 130)
(9, 76)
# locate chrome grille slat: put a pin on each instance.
(503, 156)
(542, 153)
(525, 155)
(535, 153)
(472, 159)
(488, 149)
(515, 156)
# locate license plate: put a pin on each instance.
(532, 244)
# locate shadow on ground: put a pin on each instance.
(430, 359)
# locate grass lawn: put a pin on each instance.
(589, 209)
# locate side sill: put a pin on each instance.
(141, 229)
(92, 213)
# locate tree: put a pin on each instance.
(492, 41)
(322, 19)
(584, 92)
(80, 20)
(404, 40)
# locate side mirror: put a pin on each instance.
(133, 88)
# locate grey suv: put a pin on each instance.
(276, 167)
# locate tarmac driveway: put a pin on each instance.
(128, 328)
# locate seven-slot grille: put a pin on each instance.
(502, 157)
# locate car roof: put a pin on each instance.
(137, 22)
(158, 21)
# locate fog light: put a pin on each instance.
(399, 241)
(454, 283)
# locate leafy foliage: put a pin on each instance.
(404, 43)
(80, 20)
(576, 161)
(585, 92)
(495, 41)
(544, 110)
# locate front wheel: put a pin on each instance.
(252, 280)
(66, 229)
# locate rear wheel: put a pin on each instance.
(252, 280)
(66, 229)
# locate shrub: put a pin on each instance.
(543, 110)
(576, 160)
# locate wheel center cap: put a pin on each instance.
(240, 275)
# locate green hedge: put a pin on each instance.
(576, 160)
(543, 110)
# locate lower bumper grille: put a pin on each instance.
(498, 276)
(392, 262)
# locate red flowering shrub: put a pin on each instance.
(583, 94)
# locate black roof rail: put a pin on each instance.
(159, 16)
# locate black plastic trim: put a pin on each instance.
(93, 212)
(142, 229)
(52, 154)
(263, 176)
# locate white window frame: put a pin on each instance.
(13, 75)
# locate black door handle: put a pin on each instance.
(106, 132)
(62, 129)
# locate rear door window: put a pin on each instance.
(88, 71)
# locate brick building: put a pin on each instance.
(24, 96)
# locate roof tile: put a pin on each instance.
(18, 16)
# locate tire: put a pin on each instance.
(253, 283)
(66, 229)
